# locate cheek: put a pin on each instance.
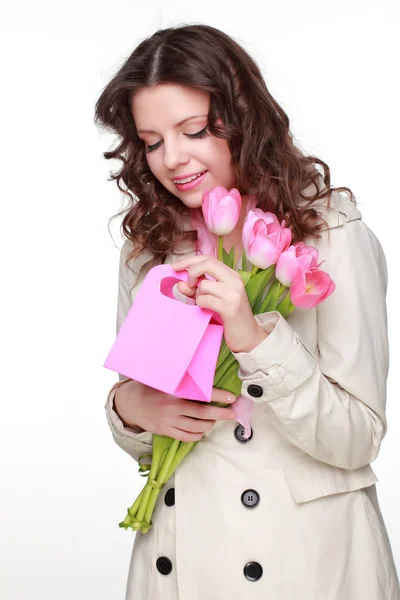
(220, 152)
(153, 164)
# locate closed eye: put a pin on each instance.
(195, 136)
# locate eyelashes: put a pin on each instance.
(194, 136)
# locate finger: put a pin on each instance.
(184, 436)
(215, 288)
(200, 265)
(187, 289)
(212, 303)
(222, 273)
(195, 425)
(219, 395)
(207, 412)
(186, 261)
(183, 264)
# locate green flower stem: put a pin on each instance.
(161, 445)
(148, 488)
(231, 381)
(160, 481)
(183, 450)
(226, 379)
(221, 248)
(223, 353)
(131, 511)
(222, 369)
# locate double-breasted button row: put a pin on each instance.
(252, 570)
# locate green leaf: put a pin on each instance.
(230, 380)
(256, 284)
(285, 307)
(232, 257)
(245, 275)
(227, 258)
(271, 300)
(244, 260)
(223, 353)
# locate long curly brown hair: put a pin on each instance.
(266, 161)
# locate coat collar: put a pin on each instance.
(341, 210)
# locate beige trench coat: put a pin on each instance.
(293, 512)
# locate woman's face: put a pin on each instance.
(174, 151)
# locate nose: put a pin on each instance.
(174, 155)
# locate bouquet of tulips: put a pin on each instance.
(282, 276)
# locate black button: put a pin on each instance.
(164, 565)
(239, 434)
(250, 498)
(255, 390)
(253, 571)
(169, 497)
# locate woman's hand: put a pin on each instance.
(164, 414)
(226, 296)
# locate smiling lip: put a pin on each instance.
(185, 176)
(183, 187)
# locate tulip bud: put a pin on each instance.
(221, 209)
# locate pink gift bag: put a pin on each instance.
(165, 343)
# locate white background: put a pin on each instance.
(65, 483)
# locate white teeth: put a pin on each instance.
(187, 179)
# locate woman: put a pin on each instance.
(291, 512)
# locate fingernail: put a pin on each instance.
(229, 399)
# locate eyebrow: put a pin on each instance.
(177, 124)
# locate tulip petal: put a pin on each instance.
(243, 408)
(311, 288)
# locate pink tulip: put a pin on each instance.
(264, 238)
(294, 261)
(311, 288)
(221, 209)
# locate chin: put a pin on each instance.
(194, 202)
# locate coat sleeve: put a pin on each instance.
(330, 403)
(130, 440)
